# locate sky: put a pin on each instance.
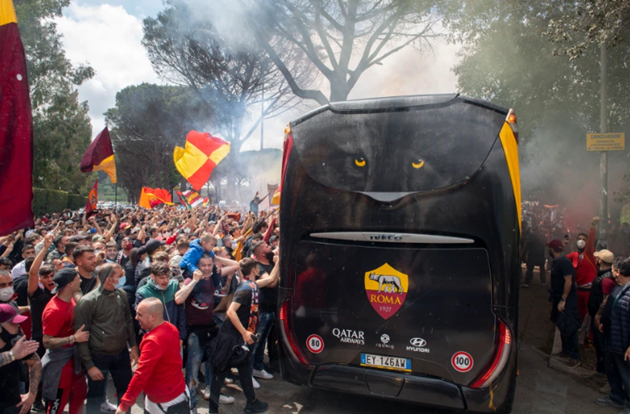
(108, 35)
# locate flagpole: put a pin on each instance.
(116, 197)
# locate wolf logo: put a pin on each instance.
(391, 283)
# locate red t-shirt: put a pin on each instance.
(58, 319)
(584, 263)
(608, 285)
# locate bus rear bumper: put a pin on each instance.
(404, 388)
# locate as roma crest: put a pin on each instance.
(386, 290)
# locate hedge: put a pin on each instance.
(55, 201)
(76, 201)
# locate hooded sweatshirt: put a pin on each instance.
(173, 312)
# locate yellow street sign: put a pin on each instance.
(615, 141)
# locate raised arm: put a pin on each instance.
(182, 294)
(33, 273)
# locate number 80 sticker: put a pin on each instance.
(462, 361)
(315, 344)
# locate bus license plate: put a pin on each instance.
(386, 362)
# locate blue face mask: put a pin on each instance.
(121, 282)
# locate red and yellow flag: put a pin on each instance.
(92, 201)
(151, 197)
(16, 128)
(203, 152)
(100, 156)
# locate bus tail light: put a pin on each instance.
(499, 359)
(511, 120)
(287, 335)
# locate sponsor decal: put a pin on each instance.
(349, 336)
(386, 290)
(418, 345)
(385, 342)
(462, 361)
(315, 344)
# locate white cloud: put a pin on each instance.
(108, 39)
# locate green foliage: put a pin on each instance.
(54, 201)
(147, 123)
(62, 127)
(76, 201)
(585, 23)
(39, 201)
(507, 58)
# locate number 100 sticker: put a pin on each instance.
(315, 344)
(462, 361)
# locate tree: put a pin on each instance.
(508, 59)
(147, 123)
(585, 23)
(62, 129)
(341, 39)
(231, 76)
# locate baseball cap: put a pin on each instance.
(9, 314)
(125, 226)
(142, 250)
(605, 256)
(153, 244)
(63, 277)
(556, 245)
(97, 237)
(77, 238)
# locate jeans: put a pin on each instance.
(245, 377)
(119, 366)
(193, 363)
(529, 273)
(618, 373)
(570, 345)
(600, 344)
(265, 323)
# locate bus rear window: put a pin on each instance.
(405, 150)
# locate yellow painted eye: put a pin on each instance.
(360, 162)
(418, 164)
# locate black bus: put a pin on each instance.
(400, 228)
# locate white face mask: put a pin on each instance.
(581, 244)
(6, 294)
(234, 245)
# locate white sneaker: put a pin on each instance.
(107, 407)
(262, 374)
(206, 393)
(226, 399)
(256, 384)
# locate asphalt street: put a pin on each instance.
(540, 389)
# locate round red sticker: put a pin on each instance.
(315, 344)
(462, 361)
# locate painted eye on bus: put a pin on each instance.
(418, 164)
(360, 162)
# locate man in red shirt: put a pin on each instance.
(585, 266)
(159, 373)
(62, 377)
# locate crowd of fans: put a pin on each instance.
(589, 291)
(137, 295)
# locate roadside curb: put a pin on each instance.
(559, 365)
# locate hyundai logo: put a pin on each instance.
(418, 342)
